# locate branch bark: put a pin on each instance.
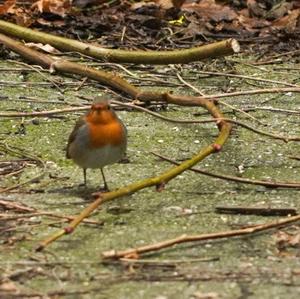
(135, 252)
(222, 48)
(268, 184)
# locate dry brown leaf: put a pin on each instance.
(7, 7)
(167, 4)
(55, 23)
(84, 3)
(252, 24)
(20, 15)
(57, 7)
(295, 240)
(256, 9)
(209, 10)
(8, 286)
(289, 22)
(46, 48)
(284, 240)
(279, 10)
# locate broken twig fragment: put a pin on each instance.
(256, 211)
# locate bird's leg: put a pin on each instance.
(105, 188)
(84, 176)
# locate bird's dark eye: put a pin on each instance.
(108, 107)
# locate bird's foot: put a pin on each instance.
(104, 189)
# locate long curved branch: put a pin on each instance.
(222, 48)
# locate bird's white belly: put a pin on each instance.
(98, 158)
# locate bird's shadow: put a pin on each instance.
(84, 192)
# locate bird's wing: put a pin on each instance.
(80, 122)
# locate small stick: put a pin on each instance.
(294, 157)
(44, 113)
(189, 85)
(120, 66)
(162, 262)
(135, 252)
(34, 212)
(253, 91)
(81, 84)
(10, 205)
(222, 102)
(247, 77)
(123, 34)
(36, 69)
(256, 211)
(288, 111)
(22, 153)
(270, 184)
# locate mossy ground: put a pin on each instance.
(248, 267)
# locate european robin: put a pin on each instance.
(99, 138)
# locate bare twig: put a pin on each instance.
(294, 157)
(31, 212)
(22, 153)
(189, 85)
(261, 132)
(37, 70)
(135, 252)
(247, 77)
(254, 91)
(272, 109)
(44, 113)
(263, 211)
(222, 102)
(270, 184)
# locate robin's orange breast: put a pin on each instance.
(112, 133)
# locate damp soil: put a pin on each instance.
(72, 267)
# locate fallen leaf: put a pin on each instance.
(284, 240)
(84, 3)
(209, 10)
(167, 4)
(8, 286)
(252, 24)
(289, 22)
(279, 10)
(295, 240)
(7, 7)
(46, 48)
(210, 295)
(57, 7)
(256, 9)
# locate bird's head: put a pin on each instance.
(101, 112)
